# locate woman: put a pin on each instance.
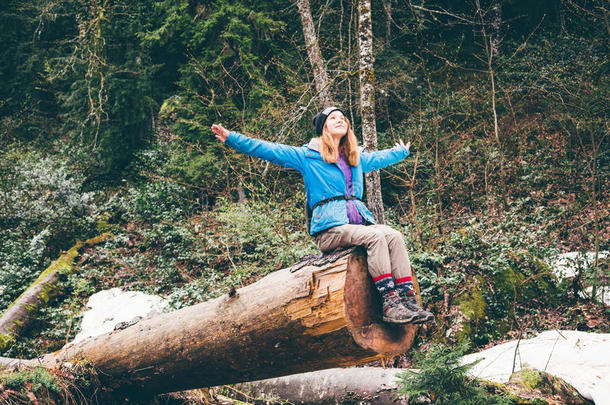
(332, 166)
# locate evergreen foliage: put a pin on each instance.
(441, 379)
(39, 377)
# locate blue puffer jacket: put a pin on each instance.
(322, 180)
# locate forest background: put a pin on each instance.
(105, 112)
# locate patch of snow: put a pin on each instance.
(602, 294)
(567, 265)
(110, 307)
(582, 359)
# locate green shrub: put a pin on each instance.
(236, 244)
(265, 230)
(441, 379)
(154, 201)
(209, 285)
(496, 271)
(43, 210)
(39, 377)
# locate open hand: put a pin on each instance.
(220, 132)
(401, 143)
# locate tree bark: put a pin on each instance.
(19, 313)
(387, 7)
(493, 53)
(370, 385)
(289, 322)
(492, 50)
(367, 105)
(313, 53)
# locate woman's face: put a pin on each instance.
(336, 124)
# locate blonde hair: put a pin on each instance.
(349, 145)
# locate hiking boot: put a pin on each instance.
(395, 311)
(423, 316)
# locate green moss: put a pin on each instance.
(509, 278)
(530, 378)
(38, 377)
(538, 385)
(102, 224)
(474, 306)
(6, 340)
(546, 282)
(539, 282)
(63, 265)
(48, 292)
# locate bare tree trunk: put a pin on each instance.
(19, 313)
(437, 171)
(370, 385)
(294, 320)
(241, 194)
(313, 53)
(492, 46)
(414, 206)
(387, 7)
(494, 51)
(367, 104)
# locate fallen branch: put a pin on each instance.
(19, 313)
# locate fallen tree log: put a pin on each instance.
(376, 385)
(19, 313)
(370, 385)
(289, 322)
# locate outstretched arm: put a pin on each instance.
(384, 158)
(283, 155)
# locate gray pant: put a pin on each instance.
(385, 247)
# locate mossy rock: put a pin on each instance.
(473, 305)
(514, 284)
(531, 384)
(487, 309)
(474, 308)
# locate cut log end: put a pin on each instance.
(363, 310)
(341, 295)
